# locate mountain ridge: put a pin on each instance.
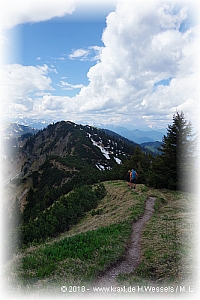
(153, 146)
(61, 155)
(63, 142)
(139, 136)
(15, 130)
(60, 158)
(100, 240)
(66, 171)
(66, 138)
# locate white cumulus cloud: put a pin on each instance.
(79, 53)
(14, 12)
(146, 43)
(92, 53)
(20, 85)
(69, 86)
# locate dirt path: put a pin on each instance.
(133, 254)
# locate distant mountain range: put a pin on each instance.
(15, 130)
(15, 135)
(137, 135)
(32, 126)
(30, 122)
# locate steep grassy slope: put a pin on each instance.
(100, 239)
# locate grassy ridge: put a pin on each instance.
(97, 241)
(167, 242)
(100, 239)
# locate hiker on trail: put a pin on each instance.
(133, 177)
(128, 178)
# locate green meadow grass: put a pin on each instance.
(101, 238)
(91, 251)
(167, 242)
(90, 247)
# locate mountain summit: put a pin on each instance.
(61, 157)
(71, 144)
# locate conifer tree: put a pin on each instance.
(172, 168)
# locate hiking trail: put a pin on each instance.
(131, 259)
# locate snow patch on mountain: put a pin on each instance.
(117, 160)
(105, 152)
(97, 144)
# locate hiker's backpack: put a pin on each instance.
(134, 174)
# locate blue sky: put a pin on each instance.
(53, 42)
(114, 62)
